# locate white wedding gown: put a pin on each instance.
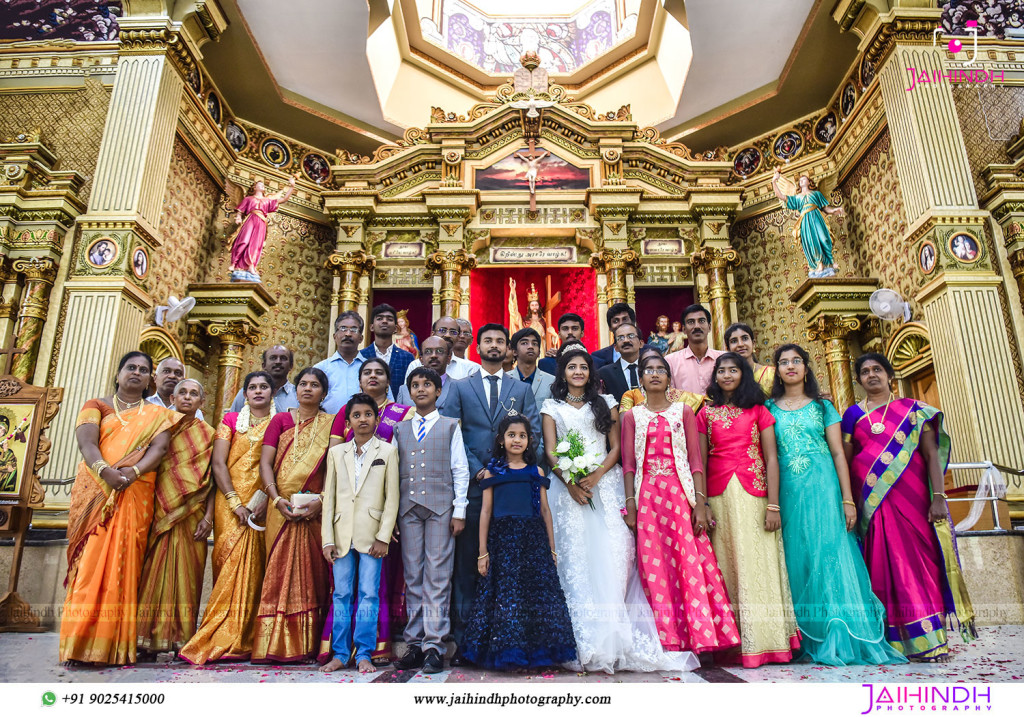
(611, 618)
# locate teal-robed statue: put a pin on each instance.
(812, 229)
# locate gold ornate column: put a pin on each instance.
(35, 302)
(615, 264)
(349, 267)
(8, 302)
(231, 314)
(451, 265)
(716, 265)
(233, 337)
(835, 332)
(836, 309)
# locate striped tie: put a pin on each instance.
(421, 430)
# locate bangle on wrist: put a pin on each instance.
(773, 508)
(631, 498)
(850, 503)
(138, 473)
(481, 557)
(702, 495)
(276, 501)
(98, 466)
(941, 495)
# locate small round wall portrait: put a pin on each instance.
(195, 80)
(236, 136)
(867, 72)
(316, 167)
(825, 130)
(140, 262)
(788, 145)
(213, 107)
(926, 257)
(747, 162)
(848, 99)
(964, 247)
(102, 253)
(275, 153)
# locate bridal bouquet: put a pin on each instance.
(574, 460)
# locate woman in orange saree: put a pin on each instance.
(122, 439)
(172, 574)
(297, 586)
(239, 551)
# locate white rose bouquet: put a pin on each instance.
(574, 460)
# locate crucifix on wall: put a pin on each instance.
(532, 160)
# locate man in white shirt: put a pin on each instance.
(465, 339)
(448, 329)
(168, 373)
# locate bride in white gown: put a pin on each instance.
(611, 618)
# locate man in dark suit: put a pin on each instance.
(436, 353)
(624, 374)
(480, 402)
(570, 326)
(617, 314)
(384, 323)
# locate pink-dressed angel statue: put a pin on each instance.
(251, 216)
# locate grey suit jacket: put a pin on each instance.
(468, 403)
(446, 389)
(541, 385)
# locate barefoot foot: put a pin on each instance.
(366, 666)
(332, 666)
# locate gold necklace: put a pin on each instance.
(299, 453)
(254, 422)
(877, 428)
(127, 407)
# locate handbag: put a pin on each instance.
(255, 504)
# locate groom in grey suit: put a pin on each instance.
(480, 402)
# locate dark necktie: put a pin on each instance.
(632, 376)
(494, 393)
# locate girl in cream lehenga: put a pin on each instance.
(239, 551)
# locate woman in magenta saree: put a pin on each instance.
(898, 453)
(374, 380)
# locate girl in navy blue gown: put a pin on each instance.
(519, 617)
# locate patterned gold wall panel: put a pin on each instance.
(187, 223)
(293, 272)
(773, 267)
(877, 222)
(71, 123)
(988, 118)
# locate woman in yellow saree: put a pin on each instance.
(297, 586)
(122, 439)
(172, 575)
(239, 551)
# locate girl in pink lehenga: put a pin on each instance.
(247, 247)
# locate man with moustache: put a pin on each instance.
(436, 353)
(167, 375)
(617, 314)
(342, 368)
(465, 339)
(526, 348)
(623, 375)
(480, 402)
(448, 329)
(278, 361)
(692, 367)
(570, 327)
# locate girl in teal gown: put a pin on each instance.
(841, 620)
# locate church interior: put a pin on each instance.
(457, 157)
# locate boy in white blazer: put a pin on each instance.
(359, 515)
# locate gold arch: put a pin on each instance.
(159, 343)
(910, 350)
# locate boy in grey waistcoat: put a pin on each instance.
(433, 481)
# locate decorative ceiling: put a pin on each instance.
(356, 74)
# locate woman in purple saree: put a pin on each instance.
(898, 453)
(374, 380)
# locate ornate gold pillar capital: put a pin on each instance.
(834, 332)
(237, 331)
(829, 327)
(451, 265)
(716, 264)
(615, 264)
(350, 267)
(36, 268)
(40, 273)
